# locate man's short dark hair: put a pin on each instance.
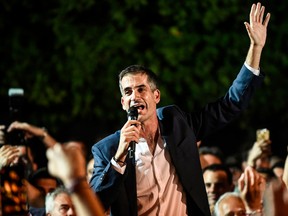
(213, 150)
(136, 69)
(42, 173)
(219, 167)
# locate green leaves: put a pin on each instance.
(67, 54)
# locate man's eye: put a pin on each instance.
(64, 208)
(127, 92)
(140, 90)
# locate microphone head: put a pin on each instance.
(132, 113)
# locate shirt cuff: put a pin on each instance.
(253, 70)
(117, 167)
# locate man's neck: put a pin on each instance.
(150, 132)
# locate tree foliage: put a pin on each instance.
(66, 55)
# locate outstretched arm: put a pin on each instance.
(31, 131)
(257, 31)
(68, 164)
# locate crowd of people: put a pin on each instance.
(168, 171)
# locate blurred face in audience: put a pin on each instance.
(236, 173)
(216, 183)
(46, 185)
(231, 206)
(62, 206)
(263, 162)
(90, 167)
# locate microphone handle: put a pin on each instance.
(132, 144)
(132, 149)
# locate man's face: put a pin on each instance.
(232, 206)
(216, 183)
(137, 92)
(63, 206)
(46, 185)
(89, 169)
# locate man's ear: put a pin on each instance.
(122, 102)
(157, 96)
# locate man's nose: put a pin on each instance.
(71, 212)
(212, 188)
(135, 95)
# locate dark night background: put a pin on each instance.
(66, 55)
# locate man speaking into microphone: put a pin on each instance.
(166, 178)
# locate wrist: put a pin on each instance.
(257, 212)
(251, 162)
(253, 208)
(119, 161)
(43, 133)
(72, 184)
(256, 47)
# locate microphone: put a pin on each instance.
(132, 115)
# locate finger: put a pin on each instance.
(262, 10)
(10, 150)
(11, 158)
(257, 12)
(12, 153)
(252, 12)
(19, 125)
(3, 147)
(241, 182)
(131, 130)
(247, 26)
(131, 136)
(246, 178)
(12, 126)
(267, 18)
(250, 177)
(131, 122)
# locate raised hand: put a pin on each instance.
(7, 155)
(257, 29)
(251, 186)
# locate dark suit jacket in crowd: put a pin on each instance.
(180, 130)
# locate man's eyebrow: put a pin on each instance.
(139, 86)
(127, 88)
(65, 205)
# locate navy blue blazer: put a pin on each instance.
(180, 130)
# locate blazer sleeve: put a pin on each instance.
(106, 181)
(216, 115)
